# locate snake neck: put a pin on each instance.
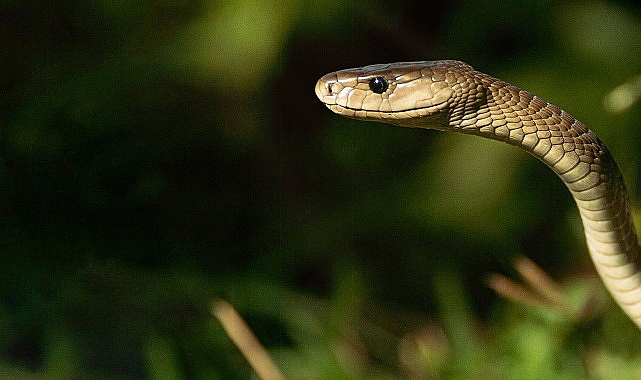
(585, 165)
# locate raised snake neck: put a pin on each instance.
(452, 96)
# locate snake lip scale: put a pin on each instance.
(452, 96)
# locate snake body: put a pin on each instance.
(452, 96)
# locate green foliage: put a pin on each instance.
(158, 155)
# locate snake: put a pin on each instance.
(451, 95)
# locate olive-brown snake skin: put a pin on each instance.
(452, 96)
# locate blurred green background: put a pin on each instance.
(158, 155)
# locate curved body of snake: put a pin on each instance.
(452, 96)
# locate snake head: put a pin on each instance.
(411, 94)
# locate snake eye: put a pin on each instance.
(378, 85)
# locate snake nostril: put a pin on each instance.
(330, 88)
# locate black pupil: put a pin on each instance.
(378, 85)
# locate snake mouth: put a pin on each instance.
(372, 113)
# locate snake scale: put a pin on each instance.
(453, 96)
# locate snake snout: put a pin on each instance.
(328, 88)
